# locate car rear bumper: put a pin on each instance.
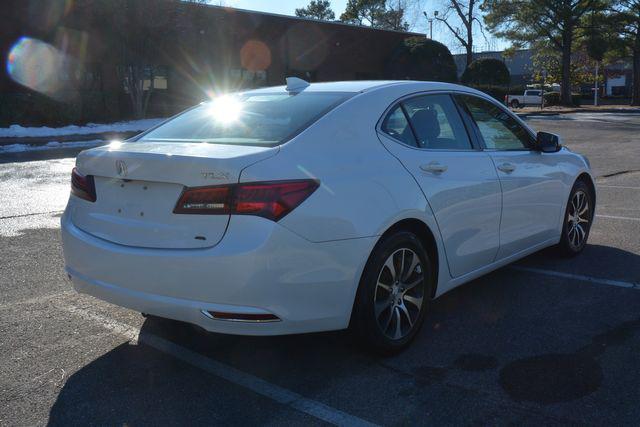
(259, 267)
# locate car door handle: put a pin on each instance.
(507, 167)
(434, 167)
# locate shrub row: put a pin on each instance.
(553, 98)
(486, 71)
(33, 109)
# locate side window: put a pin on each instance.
(437, 123)
(397, 126)
(498, 129)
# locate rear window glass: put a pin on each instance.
(250, 119)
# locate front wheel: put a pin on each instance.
(577, 221)
(393, 295)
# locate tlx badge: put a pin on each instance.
(215, 175)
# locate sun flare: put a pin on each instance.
(225, 109)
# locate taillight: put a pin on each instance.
(204, 200)
(83, 186)
(271, 200)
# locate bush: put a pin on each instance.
(553, 98)
(486, 71)
(419, 58)
(576, 99)
(34, 109)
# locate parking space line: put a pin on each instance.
(626, 218)
(257, 385)
(600, 281)
(30, 214)
(618, 186)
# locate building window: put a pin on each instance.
(152, 77)
(247, 78)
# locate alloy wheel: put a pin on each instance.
(578, 219)
(399, 293)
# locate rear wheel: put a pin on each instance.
(577, 221)
(515, 104)
(394, 292)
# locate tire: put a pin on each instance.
(392, 296)
(515, 104)
(575, 230)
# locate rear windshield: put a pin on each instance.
(247, 119)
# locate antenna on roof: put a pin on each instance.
(296, 85)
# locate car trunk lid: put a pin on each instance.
(138, 185)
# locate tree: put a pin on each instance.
(627, 18)
(317, 9)
(547, 66)
(541, 22)
(595, 35)
(377, 14)
(419, 58)
(486, 71)
(467, 13)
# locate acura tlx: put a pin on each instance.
(316, 207)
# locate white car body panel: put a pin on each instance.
(259, 267)
(305, 268)
(532, 198)
(465, 200)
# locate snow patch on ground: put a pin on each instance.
(17, 131)
(53, 145)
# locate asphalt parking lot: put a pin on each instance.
(546, 341)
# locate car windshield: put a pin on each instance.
(249, 119)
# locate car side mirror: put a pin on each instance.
(547, 142)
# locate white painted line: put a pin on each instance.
(618, 186)
(130, 333)
(626, 218)
(257, 385)
(600, 281)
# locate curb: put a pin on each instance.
(579, 110)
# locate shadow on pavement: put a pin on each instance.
(510, 347)
(599, 261)
(138, 385)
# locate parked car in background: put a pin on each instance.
(320, 207)
(530, 97)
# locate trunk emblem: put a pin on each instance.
(121, 168)
(215, 175)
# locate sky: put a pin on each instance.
(415, 18)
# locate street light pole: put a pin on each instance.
(595, 92)
(435, 13)
(544, 82)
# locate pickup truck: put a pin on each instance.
(530, 97)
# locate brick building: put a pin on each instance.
(78, 53)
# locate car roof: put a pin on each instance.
(361, 86)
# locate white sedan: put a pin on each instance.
(320, 207)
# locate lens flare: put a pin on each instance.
(114, 144)
(225, 109)
(36, 65)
